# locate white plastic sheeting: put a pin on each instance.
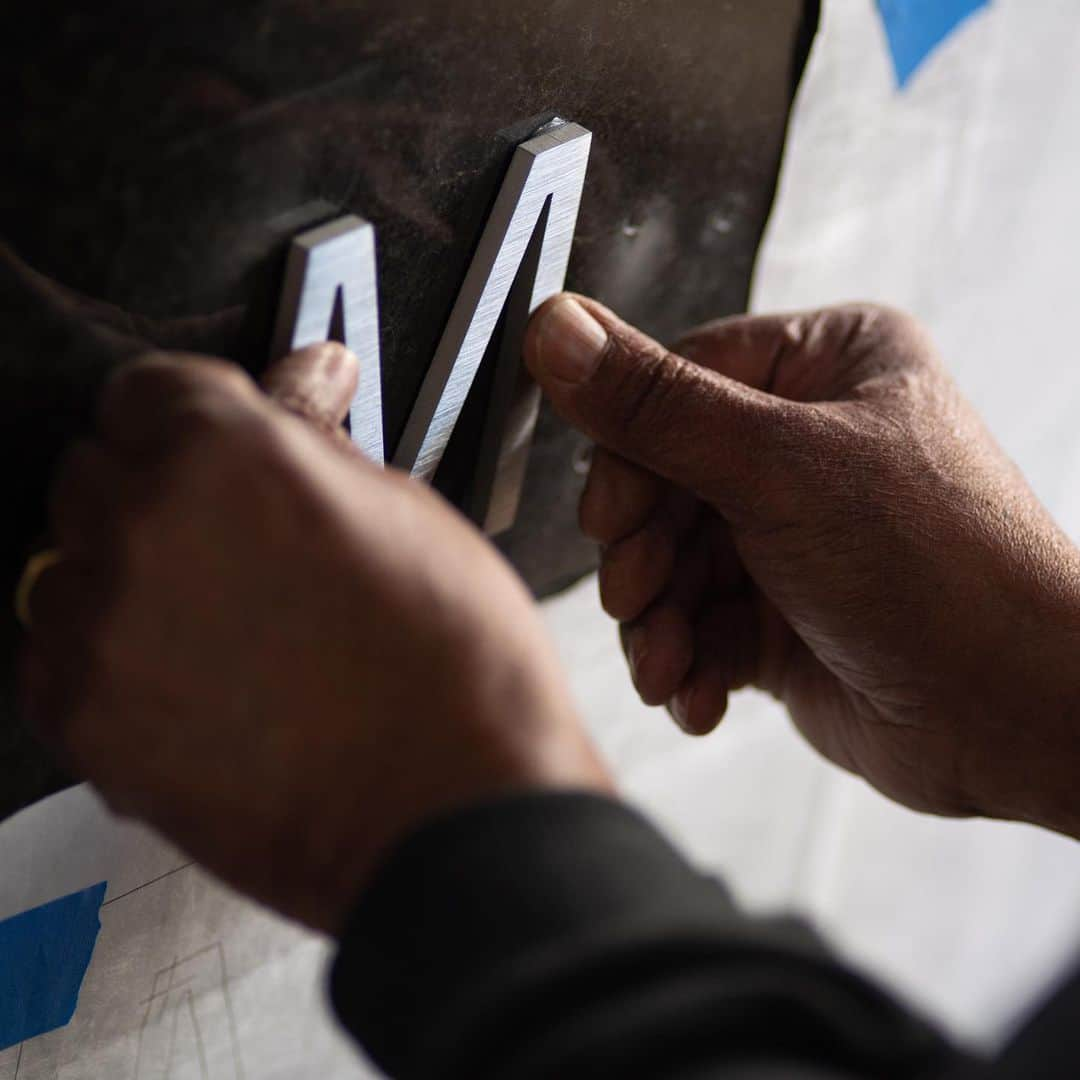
(955, 199)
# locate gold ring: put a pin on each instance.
(35, 566)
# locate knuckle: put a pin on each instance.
(227, 378)
(889, 321)
(147, 376)
(649, 389)
(175, 378)
(191, 372)
(890, 329)
(205, 424)
(146, 368)
(859, 351)
(792, 333)
(139, 380)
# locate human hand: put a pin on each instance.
(281, 656)
(806, 504)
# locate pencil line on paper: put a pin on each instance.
(147, 884)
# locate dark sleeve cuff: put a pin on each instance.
(560, 934)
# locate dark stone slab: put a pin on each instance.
(158, 158)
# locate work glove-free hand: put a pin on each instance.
(280, 655)
(806, 504)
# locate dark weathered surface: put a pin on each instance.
(157, 158)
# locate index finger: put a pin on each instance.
(142, 402)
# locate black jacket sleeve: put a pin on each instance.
(557, 936)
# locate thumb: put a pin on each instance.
(717, 437)
(317, 383)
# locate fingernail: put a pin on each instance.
(569, 342)
(680, 708)
(637, 648)
(339, 362)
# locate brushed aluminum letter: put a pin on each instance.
(541, 193)
(330, 274)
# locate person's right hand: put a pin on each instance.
(805, 503)
(284, 658)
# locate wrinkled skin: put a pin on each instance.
(805, 503)
(281, 656)
(287, 659)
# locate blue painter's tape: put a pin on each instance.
(916, 27)
(44, 954)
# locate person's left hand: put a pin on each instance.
(280, 655)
